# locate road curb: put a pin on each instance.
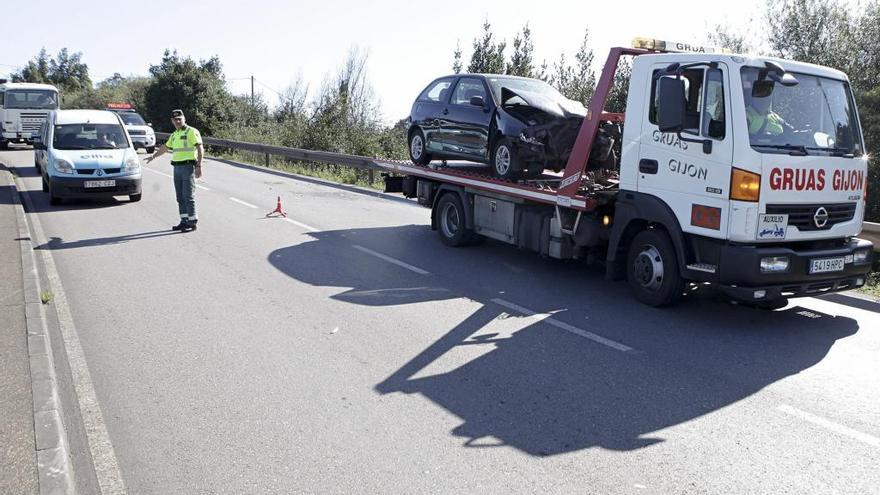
(54, 466)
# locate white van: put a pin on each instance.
(87, 154)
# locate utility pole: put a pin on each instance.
(252, 90)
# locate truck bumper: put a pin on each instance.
(741, 276)
(16, 137)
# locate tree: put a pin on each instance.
(196, 88)
(68, 72)
(724, 37)
(562, 76)
(869, 110)
(620, 88)
(488, 56)
(584, 79)
(814, 31)
(521, 63)
(36, 70)
(456, 58)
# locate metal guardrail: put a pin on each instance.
(871, 232)
(361, 162)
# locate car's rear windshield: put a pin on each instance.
(131, 118)
(89, 137)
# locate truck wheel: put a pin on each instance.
(505, 163)
(418, 150)
(451, 222)
(652, 269)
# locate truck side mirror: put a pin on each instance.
(671, 104)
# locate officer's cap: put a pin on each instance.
(176, 113)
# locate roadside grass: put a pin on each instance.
(872, 285)
(335, 173)
(46, 296)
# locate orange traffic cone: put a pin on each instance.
(278, 209)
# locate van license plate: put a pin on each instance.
(827, 265)
(100, 183)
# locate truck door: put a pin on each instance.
(691, 178)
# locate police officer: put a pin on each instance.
(185, 145)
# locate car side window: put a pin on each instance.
(467, 88)
(437, 92)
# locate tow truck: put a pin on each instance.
(704, 191)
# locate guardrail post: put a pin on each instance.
(371, 176)
(267, 160)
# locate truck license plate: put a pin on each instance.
(827, 265)
(100, 183)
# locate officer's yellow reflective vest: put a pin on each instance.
(766, 124)
(182, 144)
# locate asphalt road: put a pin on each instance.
(348, 350)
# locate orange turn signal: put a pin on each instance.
(744, 185)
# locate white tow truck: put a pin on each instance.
(23, 109)
(749, 173)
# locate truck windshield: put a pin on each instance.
(42, 99)
(89, 137)
(131, 118)
(814, 117)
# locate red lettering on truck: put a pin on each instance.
(848, 180)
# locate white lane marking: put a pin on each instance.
(243, 202)
(546, 318)
(203, 187)
(830, 425)
(300, 224)
(104, 457)
(391, 260)
(157, 172)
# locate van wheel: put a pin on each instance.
(418, 148)
(505, 163)
(134, 198)
(652, 269)
(451, 222)
(151, 149)
(54, 200)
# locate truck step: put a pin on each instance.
(702, 267)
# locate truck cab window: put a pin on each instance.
(693, 83)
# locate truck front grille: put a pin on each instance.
(803, 216)
(31, 121)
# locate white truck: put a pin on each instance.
(23, 109)
(749, 173)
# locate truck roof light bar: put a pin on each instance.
(675, 46)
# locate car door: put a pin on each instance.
(691, 178)
(40, 153)
(428, 112)
(466, 127)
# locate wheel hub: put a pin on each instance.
(502, 160)
(450, 220)
(416, 147)
(648, 268)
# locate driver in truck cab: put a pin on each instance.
(761, 117)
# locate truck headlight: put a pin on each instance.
(774, 264)
(132, 164)
(64, 166)
(861, 256)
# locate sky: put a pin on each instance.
(408, 43)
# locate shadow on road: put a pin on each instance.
(56, 243)
(546, 392)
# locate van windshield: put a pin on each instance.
(42, 99)
(815, 117)
(89, 137)
(131, 118)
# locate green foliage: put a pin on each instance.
(620, 89)
(456, 59)
(869, 111)
(66, 71)
(488, 56)
(579, 81)
(521, 63)
(198, 88)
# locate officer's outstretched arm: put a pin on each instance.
(159, 152)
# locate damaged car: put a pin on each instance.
(518, 126)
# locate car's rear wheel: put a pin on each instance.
(505, 163)
(418, 151)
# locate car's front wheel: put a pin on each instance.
(505, 163)
(418, 151)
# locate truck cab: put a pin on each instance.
(23, 109)
(755, 168)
